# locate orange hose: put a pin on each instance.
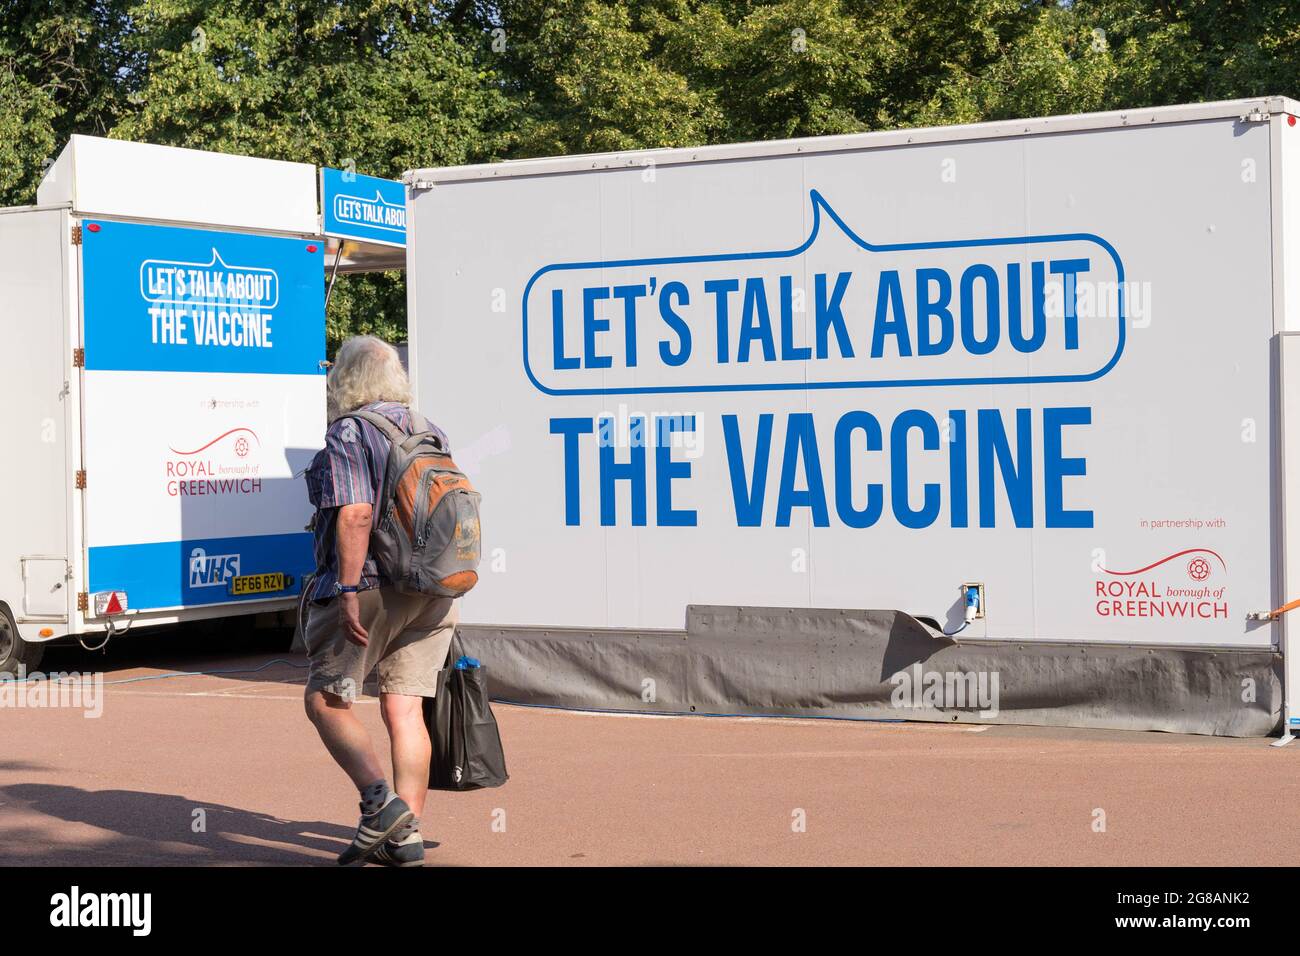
(1290, 606)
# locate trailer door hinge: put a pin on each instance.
(422, 185)
(78, 358)
(76, 235)
(83, 601)
(81, 478)
(1256, 116)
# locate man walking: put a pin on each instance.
(357, 622)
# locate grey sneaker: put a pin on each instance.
(409, 852)
(374, 829)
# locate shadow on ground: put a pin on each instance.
(218, 645)
(149, 829)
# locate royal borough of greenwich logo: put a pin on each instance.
(1190, 585)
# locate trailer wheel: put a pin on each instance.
(14, 651)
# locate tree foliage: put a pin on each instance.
(395, 84)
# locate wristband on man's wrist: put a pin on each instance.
(340, 588)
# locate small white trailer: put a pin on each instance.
(163, 388)
(1036, 383)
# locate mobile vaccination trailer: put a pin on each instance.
(163, 384)
(985, 422)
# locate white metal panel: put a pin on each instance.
(108, 177)
(190, 474)
(34, 370)
(76, 425)
(1182, 426)
(45, 588)
(57, 186)
(1286, 152)
(1176, 446)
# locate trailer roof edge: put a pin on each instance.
(1116, 119)
(36, 207)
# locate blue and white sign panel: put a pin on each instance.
(163, 299)
(362, 207)
(862, 378)
(204, 397)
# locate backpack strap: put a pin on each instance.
(420, 426)
(400, 444)
(394, 434)
(420, 429)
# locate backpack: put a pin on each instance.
(426, 537)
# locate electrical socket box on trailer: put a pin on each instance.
(1047, 368)
(163, 386)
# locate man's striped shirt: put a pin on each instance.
(350, 470)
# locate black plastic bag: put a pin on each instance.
(467, 752)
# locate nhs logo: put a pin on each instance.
(211, 570)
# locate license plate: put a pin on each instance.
(260, 583)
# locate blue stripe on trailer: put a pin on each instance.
(197, 571)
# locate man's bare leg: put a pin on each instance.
(383, 813)
(344, 737)
(404, 717)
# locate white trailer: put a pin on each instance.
(1047, 369)
(163, 388)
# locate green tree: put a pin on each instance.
(1059, 65)
(27, 139)
(63, 69)
(1188, 51)
(586, 76)
(384, 84)
(1112, 54)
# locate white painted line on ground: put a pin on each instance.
(225, 695)
(885, 724)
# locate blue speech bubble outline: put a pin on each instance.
(818, 204)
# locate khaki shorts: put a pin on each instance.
(409, 636)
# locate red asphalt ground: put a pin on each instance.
(590, 789)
